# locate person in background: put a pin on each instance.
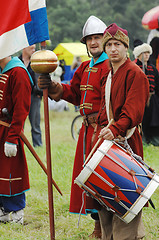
(150, 123)
(61, 105)
(62, 65)
(36, 96)
(84, 91)
(76, 63)
(129, 91)
(15, 98)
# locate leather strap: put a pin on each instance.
(90, 119)
(108, 105)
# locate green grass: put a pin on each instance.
(36, 222)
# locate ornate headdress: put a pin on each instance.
(115, 32)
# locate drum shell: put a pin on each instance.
(108, 177)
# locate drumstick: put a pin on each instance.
(97, 143)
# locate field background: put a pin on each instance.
(36, 221)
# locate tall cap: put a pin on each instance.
(92, 26)
(115, 32)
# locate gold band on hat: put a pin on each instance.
(119, 35)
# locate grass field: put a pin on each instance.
(36, 222)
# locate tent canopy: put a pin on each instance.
(68, 52)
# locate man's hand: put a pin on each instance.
(55, 89)
(44, 81)
(106, 133)
(10, 149)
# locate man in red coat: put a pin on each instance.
(15, 96)
(124, 102)
(84, 91)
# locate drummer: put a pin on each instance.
(129, 91)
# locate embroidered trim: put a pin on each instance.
(119, 35)
(86, 106)
(86, 87)
(10, 179)
(91, 69)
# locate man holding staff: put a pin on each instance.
(125, 91)
(84, 91)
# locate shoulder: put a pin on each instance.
(19, 70)
(82, 66)
(132, 68)
(85, 64)
(19, 75)
(106, 64)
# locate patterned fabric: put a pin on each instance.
(152, 75)
(115, 32)
(24, 24)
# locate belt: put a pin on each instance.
(3, 118)
(90, 119)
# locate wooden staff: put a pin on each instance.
(25, 140)
(96, 145)
(45, 61)
(49, 169)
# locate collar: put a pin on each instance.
(102, 58)
(15, 62)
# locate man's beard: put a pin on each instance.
(97, 55)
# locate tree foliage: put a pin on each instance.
(66, 18)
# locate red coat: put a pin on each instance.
(129, 95)
(15, 89)
(84, 90)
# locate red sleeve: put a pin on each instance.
(21, 99)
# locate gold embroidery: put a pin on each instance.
(86, 87)
(91, 69)
(1, 94)
(10, 179)
(119, 35)
(86, 105)
(4, 75)
(3, 78)
(2, 82)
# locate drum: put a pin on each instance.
(118, 181)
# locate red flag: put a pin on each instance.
(13, 14)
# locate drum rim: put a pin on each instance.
(142, 200)
(93, 162)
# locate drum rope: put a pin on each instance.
(127, 147)
(113, 159)
(98, 175)
(110, 185)
(81, 209)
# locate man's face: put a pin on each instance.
(94, 44)
(144, 57)
(30, 50)
(116, 51)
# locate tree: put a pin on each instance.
(66, 18)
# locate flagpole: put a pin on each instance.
(37, 64)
